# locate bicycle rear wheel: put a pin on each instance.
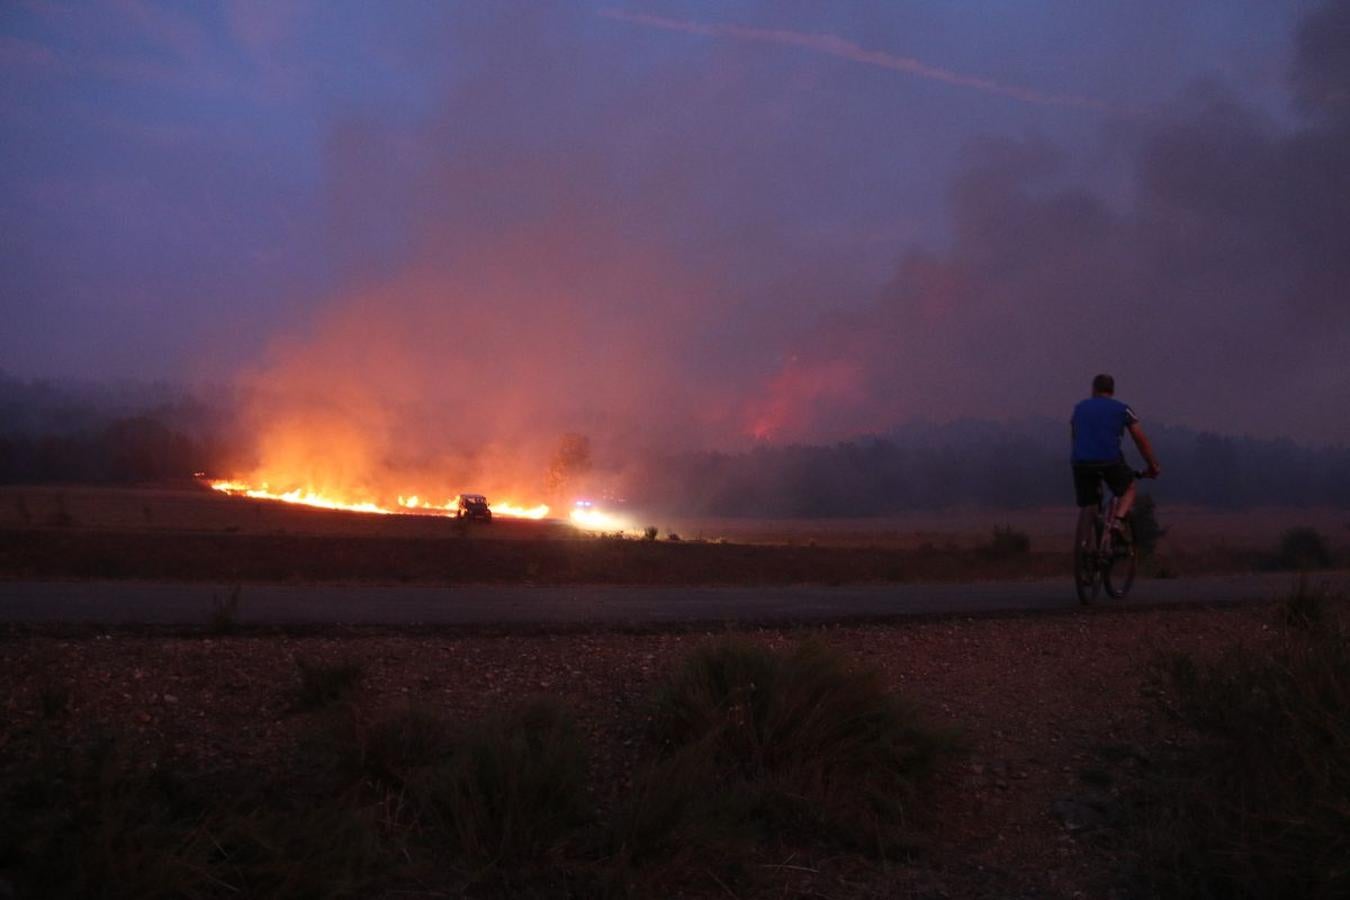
(1086, 573)
(1120, 565)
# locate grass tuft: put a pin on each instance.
(497, 798)
(513, 790)
(1257, 805)
(798, 743)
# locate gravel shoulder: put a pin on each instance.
(533, 606)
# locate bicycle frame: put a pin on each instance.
(1100, 559)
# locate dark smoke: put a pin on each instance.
(1216, 290)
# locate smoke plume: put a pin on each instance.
(594, 269)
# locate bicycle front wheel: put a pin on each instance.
(1120, 565)
(1086, 573)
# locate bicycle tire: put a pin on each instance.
(1086, 573)
(1120, 566)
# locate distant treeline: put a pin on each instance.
(123, 451)
(63, 433)
(983, 464)
(124, 433)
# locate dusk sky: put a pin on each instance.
(712, 222)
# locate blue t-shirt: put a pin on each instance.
(1098, 424)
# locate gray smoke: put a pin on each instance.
(1215, 289)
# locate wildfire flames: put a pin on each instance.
(583, 515)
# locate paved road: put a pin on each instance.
(120, 603)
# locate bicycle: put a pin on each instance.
(1101, 558)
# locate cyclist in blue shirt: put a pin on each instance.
(1098, 424)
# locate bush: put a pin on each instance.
(1302, 549)
(513, 790)
(1257, 807)
(1147, 532)
(323, 684)
(650, 532)
(798, 742)
(1007, 541)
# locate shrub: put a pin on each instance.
(1007, 541)
(1257, 806)
(323, 683)
(498, 798)
(513, 790)
(650, 532)
(799, 741)
(668, 812)
(1302, 549)
(1147, 532)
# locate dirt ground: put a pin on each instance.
(1058, 712)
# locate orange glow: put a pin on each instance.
(590, 519)
(407, 505)
(519, 512)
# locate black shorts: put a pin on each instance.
(1088, 478)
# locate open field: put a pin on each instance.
(193, 508)
(1060, 718)
(195, 534)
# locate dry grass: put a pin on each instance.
(797, 743)
(1257, 805)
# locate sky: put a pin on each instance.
(698, 224)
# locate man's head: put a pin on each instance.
(1103, 384)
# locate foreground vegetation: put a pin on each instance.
(747, 746)
(1256, 802)
(415, 765)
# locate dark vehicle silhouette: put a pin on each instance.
(473, 507)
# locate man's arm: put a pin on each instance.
(1141, 441)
